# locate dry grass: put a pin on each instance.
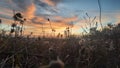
(100, 50)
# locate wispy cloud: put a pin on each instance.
(52, 2)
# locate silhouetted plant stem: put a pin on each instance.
(53, 30)
(89, 21)
(99, 4)
(43, 31)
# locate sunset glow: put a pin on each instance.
(62, 14)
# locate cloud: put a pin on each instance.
(31, 8)
(38, 11)
(23, 4)
(27, 7)
(30, 11)
(52, 2)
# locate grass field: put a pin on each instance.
(98, 50)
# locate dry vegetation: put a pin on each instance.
(95, 50)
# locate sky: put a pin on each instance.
(62, 14)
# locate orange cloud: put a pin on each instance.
(29, 13)
(59, 26)
(52, 2)
(49, 2)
